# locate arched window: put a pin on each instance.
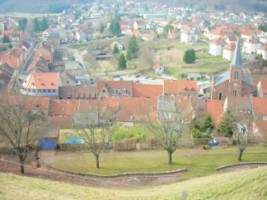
(236, 75)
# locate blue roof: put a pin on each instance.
(237, 58)
(220, 78)
(247, 80)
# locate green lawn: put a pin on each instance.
(198, 162)
(249, 185)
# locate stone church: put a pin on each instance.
(233, 81)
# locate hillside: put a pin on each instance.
(36, 6)
(250, 184)
(40, 6)
(221, 5)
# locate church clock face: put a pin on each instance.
(235, 84)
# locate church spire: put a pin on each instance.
(237, 58)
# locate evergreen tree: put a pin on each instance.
(102, 28)
(263, 27)
(44, 24)
(132, 48)
(206, 123)
(116, 49)
(189, 56)
(6, 39)
(227, 125)
(36, 25)
(22, 24)
(115, 28)
(122, 62)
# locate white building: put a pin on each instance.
(189, 36)
(216, 47)
(251, 45)
(263, 51)
(228, 52)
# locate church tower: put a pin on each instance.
(236, 74)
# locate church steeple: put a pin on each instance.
(237, 58)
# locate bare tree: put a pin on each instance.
(96, 128)
(241, 138)
(18, 126)
(170, 125)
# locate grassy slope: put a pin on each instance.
(248, 185)
(198, 162)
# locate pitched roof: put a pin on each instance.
(48, 80)
(77, 92)
(132, 109)
(37, 103)
(219, 32)
(246, 32)
(128, 85)
(230, 47)
(215, 108)
(217, 41)
(237, 58)
(179, 86)
(259, 105)
(145, 90)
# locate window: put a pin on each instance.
(236, 75)
(234, 92)
(220, 96)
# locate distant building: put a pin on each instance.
(41, 84)
(216, 47)
(232, 82)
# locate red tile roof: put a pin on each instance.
(230, 47)
(218, 41)
(11, 60)
(37, 103)
(179, 86)
(247, 32)
(218, 32)
(131, 109)
(144, 90)
(77, 92)
(259, 105)
(40, 81)
(215, 108)
(128, 85)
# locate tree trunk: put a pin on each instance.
(170, 157)
(21, 166)
(97, 161)
(240, 154)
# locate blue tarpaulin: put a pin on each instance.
(75, 141)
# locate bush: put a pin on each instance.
(189, 56)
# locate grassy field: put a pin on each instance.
(169, 53)
(249, 185)
(198, 162)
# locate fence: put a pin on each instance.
(145, 144)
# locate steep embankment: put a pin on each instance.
(250, 184)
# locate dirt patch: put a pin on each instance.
(9, 164)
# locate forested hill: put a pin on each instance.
(37, 6)
(52, 6)
(222, 5)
